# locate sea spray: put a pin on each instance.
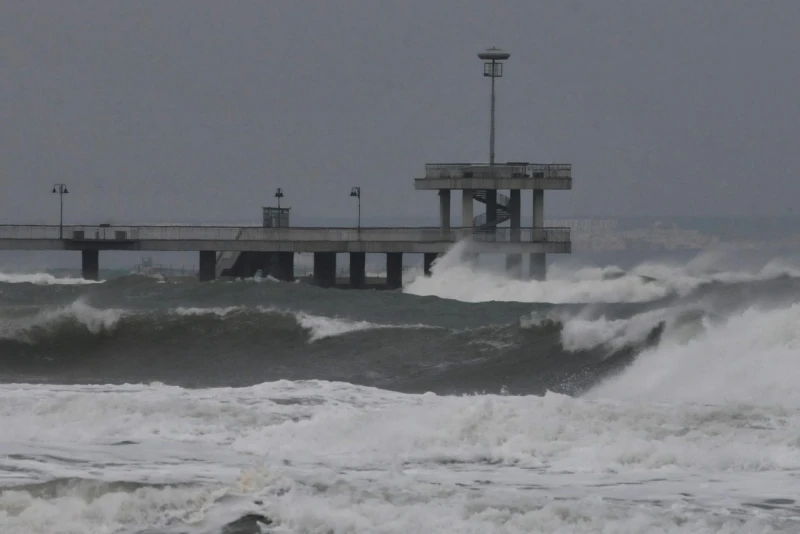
(751, 356)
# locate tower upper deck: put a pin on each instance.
(511, 175)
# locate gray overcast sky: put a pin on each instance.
(198, 109)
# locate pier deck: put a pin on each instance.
(293, 239)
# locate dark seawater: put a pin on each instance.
(657, 399)
(138, 329)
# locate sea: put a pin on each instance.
(658, 397)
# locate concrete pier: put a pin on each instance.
(325, 269)
(283, 266)
(514, 261)
(444, 209)
(538, 262)
(394, 270)
(427, 261)
(538, 267)
(491, 208)
(467, 208)
(253, 262)
(514, 265)
(358, 273)
(90, 264)
(208, 265)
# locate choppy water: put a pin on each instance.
(661, 399)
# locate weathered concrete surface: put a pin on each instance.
(428, 184)
(90, 264)
(538, 266)
(358, 263)
(283, 266)
(289, 240)
(427, 262)
(394, 270)
(325, 269)
(208, 265)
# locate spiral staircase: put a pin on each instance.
(502, 213)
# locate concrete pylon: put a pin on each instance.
(208, 265)
(90, 264)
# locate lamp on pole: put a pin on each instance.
(493, 68)
(61, 189)
(356, 192)
(279, 196)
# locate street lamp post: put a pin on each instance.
(356, 192)
(493, 68)
(61, 189)
(279, 196)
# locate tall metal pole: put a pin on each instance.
(61, 189)
(61, 214)
(491, 133)
(493, 67)
(356, 192)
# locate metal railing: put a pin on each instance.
(500, 170)
(257, 233)
(522, 235)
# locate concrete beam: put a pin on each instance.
(298, 247)
(90, 264)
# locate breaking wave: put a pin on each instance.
(80, 317)
(42, 279)
(454, 278)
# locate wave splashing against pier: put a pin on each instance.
(659, 398)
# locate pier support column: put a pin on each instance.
(252, 262)
(491, 208)
(467, 208)
(325, 269)
(538, 261)
(283, 263)
(427, 261)
(514, 261)
(444, 209)
(90, 264)
(394, 270)
(538, 266)
(358, 270)
(514, 265)
(208, 265)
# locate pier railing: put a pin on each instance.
(500, 170)
(257, 233)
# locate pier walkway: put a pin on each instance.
(273, 249)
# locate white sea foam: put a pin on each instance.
(685, 439)
(219, 311)
(321, 327)
(582, 334)
(356, 459)
(750, 357)
(94, 320)
(455, 278)
(42, 279)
